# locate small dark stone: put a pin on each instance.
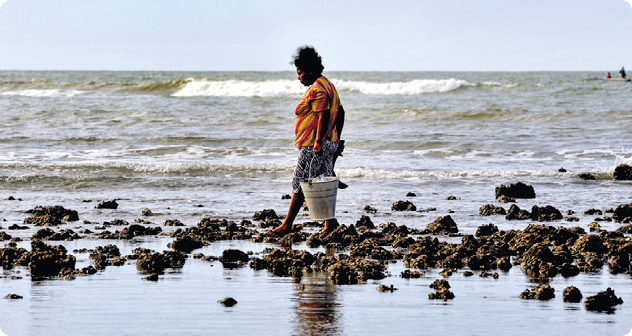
(411, 194)
(442, 226)
(172, 222)
(486, 230)
(603, 300)
(365, 221)
(572, 294)
(147, 212)
(442, 294)
(265, 214)
(107, 205)
(538, 293)
(505, 199)
(403, 206)
(518, 190)
(586, 176)
(286, 196)
(384, 288)
(369, 209)
(228, 302)
(623, 172)
(13, 297)
(490, 209)
(562, 170)
(440, 284)
(152, 277)
(233, 256)
(593, 212)
(451, 198)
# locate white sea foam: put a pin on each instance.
(43, 93)
(415, 87)
(241, 88)
(292, 87)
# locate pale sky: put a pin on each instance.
(362, 35)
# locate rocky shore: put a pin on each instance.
(355, 252)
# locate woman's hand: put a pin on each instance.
(318, 150)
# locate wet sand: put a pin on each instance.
(119, 300)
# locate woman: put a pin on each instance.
(317, 129)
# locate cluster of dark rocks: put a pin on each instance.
(541, 251)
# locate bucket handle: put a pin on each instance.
(309, 180)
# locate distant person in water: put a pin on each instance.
(318, 122)
(622, 72)
(608, 76)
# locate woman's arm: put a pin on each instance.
(323, 122)
(340, 121)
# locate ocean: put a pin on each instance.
(189, 145)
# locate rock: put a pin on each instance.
(147, 212)
(228, 302)
(587, 176)
(234, 256)
(384, 288)
(365, 221)
(17, 227)
(516, 213)
(562, 170)
(594, 226)
(403, 206)
(152, 277)
(518, 190)
(451, 198)
(50, 215)
(442, 294)
(442, 226)
(593, 212)
(408, 274)
(571, 219)
(12, 297)
(538, 293)
(440, 284)
(173, 222)
(468, 274)
(186, 244)
(603, 300)
(490, 209)
(4, 236)
(411, 194)
(486, 230)
(369, 209)
(152, 262)
(45, 260)
(107, 205)
(572, 294)
(489, 275)
(623, 213)
(623, 172)
(265, 214)
(548, 213)
(286, 196)
(505, 199)
(623, 229)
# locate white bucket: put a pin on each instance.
(321, 198)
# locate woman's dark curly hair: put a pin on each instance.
(307, 59)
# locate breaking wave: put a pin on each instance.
(206, 87)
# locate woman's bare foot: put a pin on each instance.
(330, 226)
(278, 232)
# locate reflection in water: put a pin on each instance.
(317, 310)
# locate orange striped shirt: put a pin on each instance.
(321, 96)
